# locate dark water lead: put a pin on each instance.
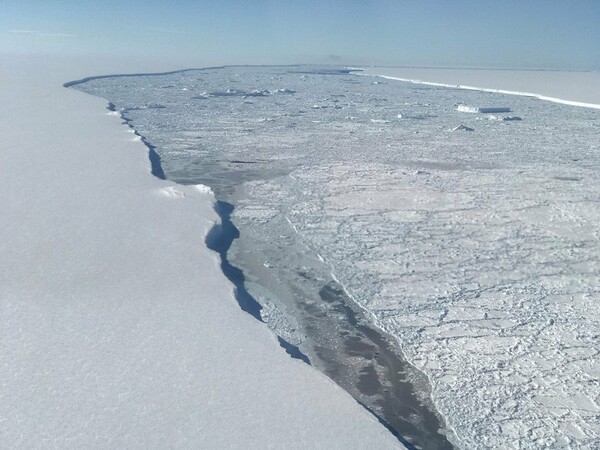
(380, 385)
(219, 239)
(380, 378)
(155, 165)
(358, 357)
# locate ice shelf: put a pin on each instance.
(119, 329)
(478, 251)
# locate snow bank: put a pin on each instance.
(568, 88)
(118, 328)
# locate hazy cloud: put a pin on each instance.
(56, 34)
(39, 33)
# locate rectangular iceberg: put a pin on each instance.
(487, 109)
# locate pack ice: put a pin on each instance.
(478, 251)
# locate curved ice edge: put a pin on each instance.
(455, 441)
(218, 239)
(155, 74)
(388, 427)
(157, 171)
(495, 91)
(155, 165)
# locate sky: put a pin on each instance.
(548, 34)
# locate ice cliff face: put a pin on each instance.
(478, 251)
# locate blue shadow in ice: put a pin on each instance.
(219, 239)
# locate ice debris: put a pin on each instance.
(462, 127)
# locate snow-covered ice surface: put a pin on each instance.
(118, 328)
(577, 88)
(477, 250)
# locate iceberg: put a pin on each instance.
(482, 109)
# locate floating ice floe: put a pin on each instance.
(463, 128)
(282, 91)
(227, 93)
(478, 109)
(416, 116)
(257, 93)
(505, 118)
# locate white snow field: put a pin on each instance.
(118, 328)
(478, 250)
(577, 88)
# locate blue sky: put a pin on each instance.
(468, 33)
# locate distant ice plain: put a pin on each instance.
(478, 251)
(569, 87)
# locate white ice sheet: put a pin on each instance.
(118, 329)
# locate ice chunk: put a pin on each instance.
(463, 128)
(479, 109)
